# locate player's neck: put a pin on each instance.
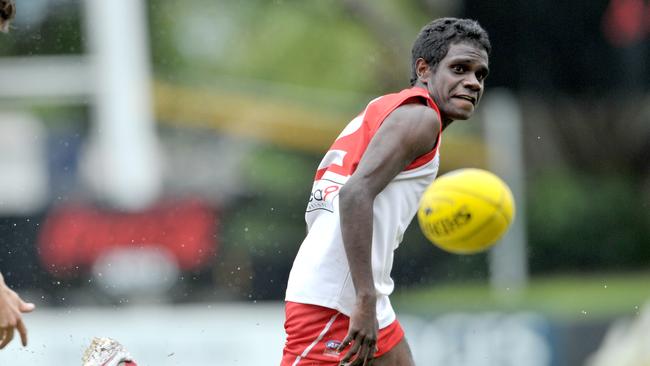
(446, 122)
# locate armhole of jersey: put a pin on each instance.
(425, 158)
(415, 96)
(418, 99)
(413, 99)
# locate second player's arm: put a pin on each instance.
(410, 131)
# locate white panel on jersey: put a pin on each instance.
(352, 127)
(355, 124)
(332, 157)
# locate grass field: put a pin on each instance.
(562, 297)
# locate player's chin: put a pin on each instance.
(460, 111)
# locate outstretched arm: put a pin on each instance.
(410, 131)
(11, 309)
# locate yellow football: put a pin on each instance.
(466, 211)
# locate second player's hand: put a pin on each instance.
(362, 335)
(11, 309)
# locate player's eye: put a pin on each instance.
(482, 73)
(458, 68)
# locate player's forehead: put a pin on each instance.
(466, 52)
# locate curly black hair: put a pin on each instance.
(434, 40)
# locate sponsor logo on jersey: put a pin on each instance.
(322, 196)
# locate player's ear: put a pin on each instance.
(423, 70)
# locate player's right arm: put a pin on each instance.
(407, 133)
(11, 309)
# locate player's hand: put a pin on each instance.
(362, 334)
(11, 309)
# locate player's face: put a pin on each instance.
(456, 84)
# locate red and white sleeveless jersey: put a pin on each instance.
(320, 274)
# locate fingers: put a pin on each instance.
(363, 348)
(351, 353)
(12, 321)
(26, 307)
(22, 330)
(367, 353)
(346, 342)
(7, 336)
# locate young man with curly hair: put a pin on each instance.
(365, 193)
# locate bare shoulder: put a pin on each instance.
(410, 131)
(417, 115)
(416, 125)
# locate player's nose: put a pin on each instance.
(472, 83)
